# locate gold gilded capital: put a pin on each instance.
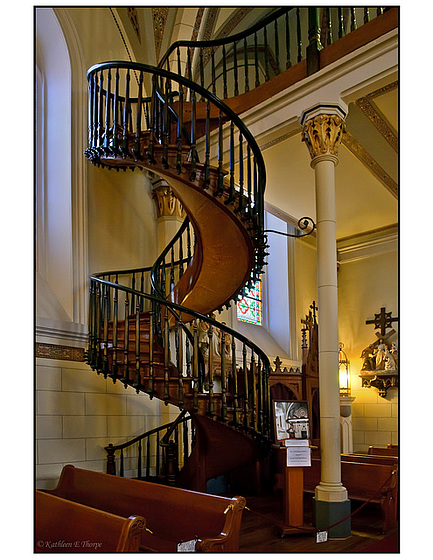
(323, 134)
(167, 203)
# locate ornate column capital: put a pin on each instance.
(323, 134)
(167, 203)
(323, 128)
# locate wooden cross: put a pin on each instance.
(382, 320)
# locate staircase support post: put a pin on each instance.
(323, 127)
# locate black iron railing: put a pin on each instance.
(234, 65)
(155, 455)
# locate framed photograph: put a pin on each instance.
(291, 420)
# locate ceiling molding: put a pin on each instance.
(372, 112)
(361, 153)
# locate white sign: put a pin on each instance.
(298, 453)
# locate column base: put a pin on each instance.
(326, 514)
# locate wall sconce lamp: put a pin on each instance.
(343, 372)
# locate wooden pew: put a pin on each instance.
(390, 450)
(65, 526)
(365, 481)
(173, 515)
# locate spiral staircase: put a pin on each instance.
(144, 324)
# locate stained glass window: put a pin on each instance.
(249, 307)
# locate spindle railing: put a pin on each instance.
(218, 151)
(236, 64)
(172, 372)
(156, 454)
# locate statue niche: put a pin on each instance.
(380, 359)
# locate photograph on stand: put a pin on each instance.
(291, 420)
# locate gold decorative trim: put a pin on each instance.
(281, 138)
(323, 134)
(361, 153)
(167, 204)
(159, 16)
(372, 113)
(58, 352)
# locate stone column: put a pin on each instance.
(346, 424)
(323, 127)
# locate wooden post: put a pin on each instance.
(293, 496)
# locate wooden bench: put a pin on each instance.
(65, 526)
(365, 481)
(390, 450)
(173, 515)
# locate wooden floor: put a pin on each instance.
(259, 529)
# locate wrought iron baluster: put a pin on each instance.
(223, 377)
(298, 34)
(179, 349)
(241, 204)
(137, 150)
(213, 72)
(195, 373)
(105, 315)
(266, 47)
(139, 460)
(340, 23)
(256, 61)
(353, 24)
(125, 377)
(179, 132)
(211, 407)
(137, 381)
(115, 331)
(207, 147)
(249, 183)
(246, 385)
(107, 111)
(287, 28)
(253, 392)
(91, 110)
(277, 48)
(148, 457)
(247, 83)
(121, 472)
(165, 128)
(225, 94)
(235, 69)
(100, 124)
(151, 371)
(166, 355)
(366, 15)
(193, 151)
(114, 140)
(220, 187)
(235, 384)
(232, 165)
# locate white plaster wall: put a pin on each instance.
(365, 286)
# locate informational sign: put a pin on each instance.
(298, 453)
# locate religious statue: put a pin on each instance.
(368, 358)
(389, 360)
(380, 355)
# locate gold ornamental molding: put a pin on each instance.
(323, 134)
(167, 203)
(361, 153)
(58, 352)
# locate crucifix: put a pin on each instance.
(383, 321)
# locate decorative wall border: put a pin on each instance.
(58, 352)
(361, 153)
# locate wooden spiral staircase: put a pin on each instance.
(144, 323)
